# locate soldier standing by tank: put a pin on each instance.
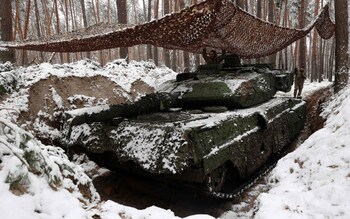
(299, 78)
(213, 57)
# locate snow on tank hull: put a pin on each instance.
(189, 145)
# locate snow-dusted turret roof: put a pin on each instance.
(212, 23)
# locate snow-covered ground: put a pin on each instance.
(314, 180)
(311, 182)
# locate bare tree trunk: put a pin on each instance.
(94, 10)
(6, 30)
(251, 6)
(321, 58)
(18, 28)
(149, 17)
(285, 21)
(144, 47)
(144, 9)
(48, 21)
(265, 9)
(137, 49)
(185, 54)
(197, 58)
(341, 45)
(279, 21)
(331, 60)
(174, 57)
(272, 57)
(37, 25)
(327, 48)
(26, 24)
(166, 52)
(302, 42)
(47, 17)
(57, 17)
(25, 33)
(108, 22)
(259, 15)
(122, 19)
(58, 24)
(108, 12)
(321, 53)
(155, 49)
(83, 11)
(259, 9)
(308, 58)
(73, 14)
(315, 56)
(67, 23)
(101, 53)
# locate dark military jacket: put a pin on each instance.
(215, 60)
(299, 76)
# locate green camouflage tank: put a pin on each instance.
(220, 124)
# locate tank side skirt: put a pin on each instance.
(270, 142)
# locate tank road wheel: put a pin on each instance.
(216, 179)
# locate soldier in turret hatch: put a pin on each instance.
(299, 78)
(213, 57)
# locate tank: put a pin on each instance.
(216, 127)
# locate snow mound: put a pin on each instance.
(40, 178)
(111, 209)
(43, 92)
(313, 181)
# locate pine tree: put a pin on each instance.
(341, 45)
(122, 19)
(302, 42)
(6, 30)
(166, 52)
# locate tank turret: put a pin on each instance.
(229, 84)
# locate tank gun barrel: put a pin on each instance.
(151, 103)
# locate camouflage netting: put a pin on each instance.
(213, 23)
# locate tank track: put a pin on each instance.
(209, 191)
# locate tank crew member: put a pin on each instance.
(213, 57)
(236, 60)
(299, 78)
